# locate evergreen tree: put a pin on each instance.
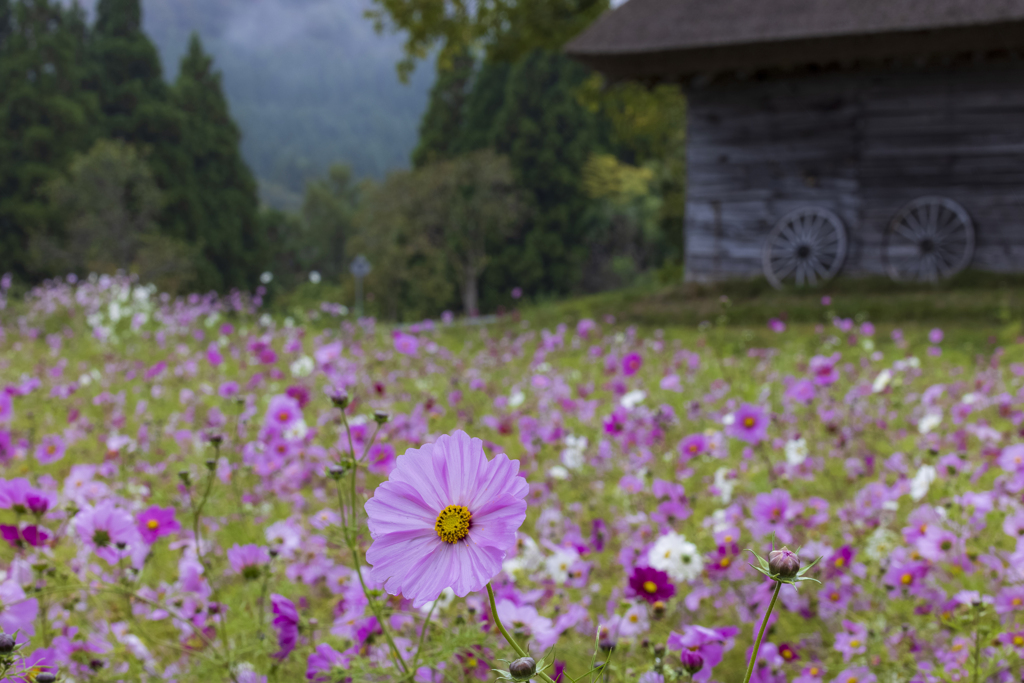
(46, 115)
(483, 103)
(216, 207)
(442, 121)
(137, 106)
(548, 136)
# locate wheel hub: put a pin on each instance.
(803, 251)
(927, 246)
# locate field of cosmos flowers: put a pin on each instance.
(194, 490)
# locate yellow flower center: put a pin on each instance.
(453, 523)
(726, 561)
(834, 597)
(814, 671)
(1018, 640)
(650, 587)
(471, 663)
(749, 422)
(854, 643)
(152, 524)
(906, 578)
(283, 416)
(840, 561)
(634, 617)
(851, 679)
(787, 654)
(1016, 602)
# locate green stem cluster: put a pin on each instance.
(760, 634)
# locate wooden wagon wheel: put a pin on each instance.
(931, 238)
(806, 246)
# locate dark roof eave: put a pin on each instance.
(674, 65)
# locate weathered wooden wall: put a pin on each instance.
(861, 143)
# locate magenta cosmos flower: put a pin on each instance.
(445, 518)
(651, 584)
(156, 522)
(631, 363)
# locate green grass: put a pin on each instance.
(980, 299)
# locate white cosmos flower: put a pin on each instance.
(516, 399)
(882, 381)
(558, 472)
(633, 399)
(929, 422)
(572, 454)
(921, 482)
(676, 556)
(302, 367)
(725, 484)
(796, 451)
(557, 565)
(528, 557)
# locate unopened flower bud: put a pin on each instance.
(606, 641)
(185, 477)
(658, 609)
(340, 400)
(381, 416)
(336, 472)
(216, 439)
(659, 650)
(522, 669)
(692, 661)
(45, 677)
(6, 644)
(783, 563)
(211, 465)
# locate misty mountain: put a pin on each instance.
(309, 82)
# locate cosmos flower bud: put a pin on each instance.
(659, 650)
(783, 562)
(211, 465)
(336, 472)
(606, 641)
(692, 661)
(522, 669)
(340, 400)
(381, 416)
(6, 644)
(185, 477)
(658, 609)
(45, 677)
(215, 439)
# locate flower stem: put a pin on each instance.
(511, 641)
(760, 634)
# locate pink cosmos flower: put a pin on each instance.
(711, 643)
(283, 412)
(750, 424)
(823, 369)
(852, 640)
(108, 530)
(631, 363)
(286, 623)
(776, 325)
(50, 449)
(156, 522)
(248, 560)
(17, 612)
(857, 674)
(446, 517)
(406, 344)
(6, 407)
(324, 664)
(692, 446)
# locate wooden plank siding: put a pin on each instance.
(862, 143)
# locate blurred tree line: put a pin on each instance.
(531, 173)
(592, 175)
(103, 165)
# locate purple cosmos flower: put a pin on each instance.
(108, 530)
(776, 325)
(711, 643)
(692, 446)
(381, 459)
(857, 674)
(823, 369)
(17, 613)
(446, 517)
(936, 336)
(248, 560)
(325, 663)
(156, 522)
(286, 623)
(631, 363)
(811, 674)
(651, 584)
(32, 535)
(406, 344)
(1010, 599)
(852, 640)
(50, 449)
(801, 391)
(771, 512)
(749, 424)
(283, 412)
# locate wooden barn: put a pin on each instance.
(837, 136)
